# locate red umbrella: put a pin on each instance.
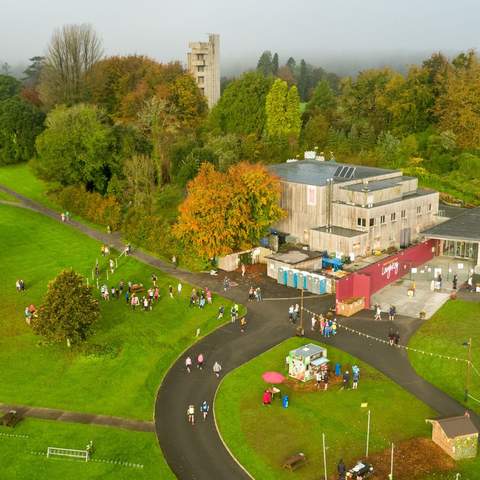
(273, 377)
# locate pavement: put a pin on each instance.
(197, 452)
(77, 417)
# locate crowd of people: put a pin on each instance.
(326, 326)
(65, 216)
(255, 294)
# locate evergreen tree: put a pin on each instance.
(303, 81)
(323, 99)
(293, 116)
(291, 64)
(265, 65)
(275, 64)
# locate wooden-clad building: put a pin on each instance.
(352, 210)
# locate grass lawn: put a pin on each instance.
(21, 179)
(444, 333)
(263, 437)
(18, 460)
(121, 366)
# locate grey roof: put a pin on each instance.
(465, 226)
(377, 185)
(457, 426)
(308, 350)
(294, 256)
(315, 172)
(340, 231)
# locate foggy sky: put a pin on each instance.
(343, 35)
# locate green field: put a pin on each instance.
(263, 437)
(445, 333)
(24, 458)
(118, 371)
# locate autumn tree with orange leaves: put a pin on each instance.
(227, 212)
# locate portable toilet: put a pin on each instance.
(290, 280)
(323, 285)
(303, 280)
(310, 282)
(280, 276)
(315, 284)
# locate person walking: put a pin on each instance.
(439, 280)
(319, 379)
(355, 376)
(170, 291)
(217, 368)
(314, 323)
(326, 378)
(391, 337)
(243, 324)
(290, 313)
(251, 294)
(204, 408)
(397, 338)
(341, 470)
(191, 414)
(174, 261)
(221, 311)
(243, 269)
(188, 364)
(258, 294)
(378, 312)
(225, 284)
(154, 279)
(346, 380)
(455, 281)
(179, 288)
(200, 361)
(392, 312)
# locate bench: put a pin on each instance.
(294, 462)
(10, 419)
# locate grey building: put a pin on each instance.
(203, 63)
(352, 209)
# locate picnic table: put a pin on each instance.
(295, 461)
(10, 419)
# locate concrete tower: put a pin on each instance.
(204, 64)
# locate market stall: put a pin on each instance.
(306, 361)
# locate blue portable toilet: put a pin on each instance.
(323, 285)
(305, 280)
(285, 277)
(295, 279)
(281, 276)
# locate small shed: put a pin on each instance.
(305, 361)
(458, 436)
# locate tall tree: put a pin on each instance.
(275, 65)
(291, 64)
(76, 147)
(72, 52)
(20, 123)
(69, 310)
(241, 108)
(303, 81)
(283, 111)
(323, 99)
(33, 71)
(265, 65)
(9, 87)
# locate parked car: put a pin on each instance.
(360, 471)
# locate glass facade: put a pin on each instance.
(459, 249)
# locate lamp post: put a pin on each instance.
(469, 364)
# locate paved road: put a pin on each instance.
(197, 452)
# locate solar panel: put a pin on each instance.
(348, 172)
(337, 171)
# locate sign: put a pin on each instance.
(390, 268)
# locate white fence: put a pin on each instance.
(68, 452)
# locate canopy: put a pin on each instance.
(273, 377)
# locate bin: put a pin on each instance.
(285, 401)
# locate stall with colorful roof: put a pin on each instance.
(306, 361)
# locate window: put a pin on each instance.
(202, 91)
(200, 56)
(382, 219)
(201, 80)
(372, 222)
(429, 207)
(404, 214)
(419, 210)
(361, 222)
(201, 68)
(393, 216)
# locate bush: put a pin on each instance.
(91, 206)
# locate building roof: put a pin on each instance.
(457, 426)
(316, 172)
(377, 185)
(293, 257)
(308, 350)
(340, 231)
(465, 226)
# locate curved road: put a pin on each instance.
(198, 452)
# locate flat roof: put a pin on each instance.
(293, 257)
(316, 172)
(340, 231)
(465, 226)
(308, 350)
(378, 185)
(457, 426)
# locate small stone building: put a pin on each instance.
(458, 436)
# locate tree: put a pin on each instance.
(303, 81)
(9, 87)
(315, 132)
(275, 64)
(224, 212)
(76, 147)
(241, 108)
(72, 52)
(69, 310)
(33, 71)
(20, 123)
(458, 108)
(291, 64)
(139, 171)
(283, 111)
(323, 99)
(284, 73)
(265, 65)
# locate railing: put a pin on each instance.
(68, 452)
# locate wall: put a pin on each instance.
(371, 279)
(231, 262)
